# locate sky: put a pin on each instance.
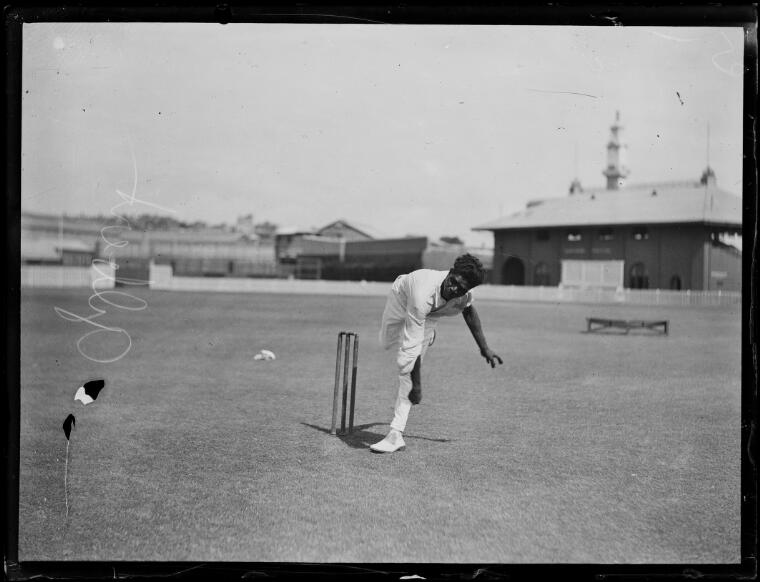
(426, 130)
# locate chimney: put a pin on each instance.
(575, 187)
(708, 177)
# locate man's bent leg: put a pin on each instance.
(415, 394)
(394, 440)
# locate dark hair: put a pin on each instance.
(470, 268)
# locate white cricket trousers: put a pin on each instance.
(391, 334)
(403, 404)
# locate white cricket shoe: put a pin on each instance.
(391, 443)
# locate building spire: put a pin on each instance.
(708, 176)
(615, 171)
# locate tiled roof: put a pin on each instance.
(644, 204)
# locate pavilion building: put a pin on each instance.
(667, 235)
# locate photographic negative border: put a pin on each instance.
(407, 13)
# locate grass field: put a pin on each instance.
(582, 448)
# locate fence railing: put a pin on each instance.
(601, 295)
(58, 276)
(162, 278)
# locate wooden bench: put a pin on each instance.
(599, 323)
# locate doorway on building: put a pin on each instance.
(513, 272)
(541, 275)
(639, 277)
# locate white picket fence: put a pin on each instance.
(601, 295)
(162, 278)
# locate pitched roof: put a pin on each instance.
(663, 203)
(48, 248)
(342, 224)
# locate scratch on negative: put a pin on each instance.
(669, 37)
(564, 92)
(736, 68)
(335, 16)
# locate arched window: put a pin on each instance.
(513, 272)
(639, 277)
(541, 275)
(675, 283)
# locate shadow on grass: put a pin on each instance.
(631, 332)
(361, 438)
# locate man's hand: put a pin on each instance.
(491, 357)
(473, 322)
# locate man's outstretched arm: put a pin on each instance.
(470, 315)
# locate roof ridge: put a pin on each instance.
(695, 184)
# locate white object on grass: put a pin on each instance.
(83, 396)
(88, 392)
(265, 355)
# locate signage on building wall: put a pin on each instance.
(578, 251)
(585, 274)
(718, 274)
